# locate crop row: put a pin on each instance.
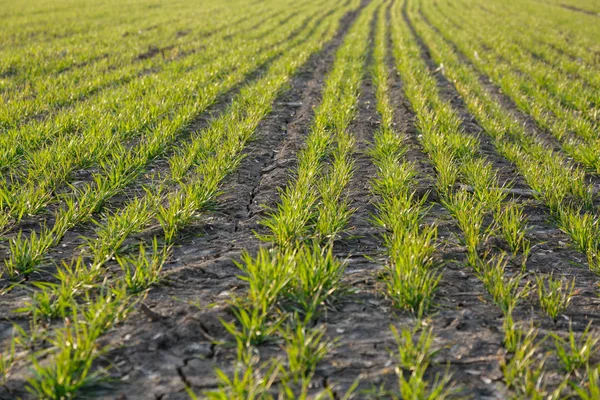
(411, 275)
(521, 369)
(125, 165)
(556, 102)
(96, 306)
(86, 42)
(105, 108)
(559, 184)
(289, 284)
(44, 95)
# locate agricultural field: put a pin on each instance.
(300, 199)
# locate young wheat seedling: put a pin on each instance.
(75, 348)
(575, 354)
(249, 380)
(554, 294)
(411, 279)
(413, 354)
(304, 348)
(469, 214)
(268, 275)
(591, 390)
(7, 360)
(518, 369)
(143, 271)
(27, 253)
(505, 291)
(415, 357)
(512, 225)
(317, 280)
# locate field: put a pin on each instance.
(300, 199)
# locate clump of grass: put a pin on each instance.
(414, 357)
(256, 325)
(333, 211)
(53, 300)
(71, 368)
(7, 360)
(143, 270)
(411, 280)
(512, 223)
(27, 253)
(268, 275)
(317, 278)
(554, 295)
(304, 347)
(307, 277)
(512, 333)
(517, 371)
(49, 301)
(119, 225)
(590, 390)
(417, 387)
(30, 200)
(249, 380)
(576, 354)
(74, 347)
(411, 353)
(481, 175)
(184, 205)
(593, 256)
(525, 371)
(469, 214)
(447, 173)
(289, 224)
(582, 228)
(506, 291)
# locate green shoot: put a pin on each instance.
(304, 348)
(554, 295)
(143, 271)
(576, 354)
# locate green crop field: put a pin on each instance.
(300, 199)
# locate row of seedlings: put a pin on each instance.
(523, 371)
(411, 277)
(470, 206)
(561, 186)
(43, 95)
(128, 164)
(290, 283)
(553, 100)
(68, 365)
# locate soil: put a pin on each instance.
(168, 342)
